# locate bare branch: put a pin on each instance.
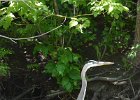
(7, 38)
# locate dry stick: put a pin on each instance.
(103, 52)
(116, 81)
(22, 94)
(119, 82)
(123, 98)
(96, 94)
(132, 87)
(123, 91)
(54, 94)
(103, 79)
(136, 96)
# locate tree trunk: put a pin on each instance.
(137, 35)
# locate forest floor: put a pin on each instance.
(104, 83)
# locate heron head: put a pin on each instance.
(99, 63)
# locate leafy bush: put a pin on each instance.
(63, 66)
(4, 69)
(38, 23)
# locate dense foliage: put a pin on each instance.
(55, 34)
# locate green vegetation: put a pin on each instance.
(58, 31)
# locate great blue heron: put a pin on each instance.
(91, 63)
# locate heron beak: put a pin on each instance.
(105, 63)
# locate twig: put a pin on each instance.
(96, 94)
(115, 81)
(54, 94)
(103, 52)
(103, 79)
(24, 93)
(132, 87)
(123, 91)
(136, 96)
(7, 38)
(124, 98)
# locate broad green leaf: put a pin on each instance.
(66, 83)
(69, 87)
(76, 57)
(126, 9)
(60, 68)
(74, 74)
(73, 23)
(65, 56)
(110, 9)
(86, 23)
(64, 59)
(50, 67)
(6, 20)
(96, 13)
(68, 54)
(116, 15)
(55, 73)
(80, 28)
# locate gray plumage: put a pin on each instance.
(91, 63)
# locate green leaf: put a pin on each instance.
(50, 67)
(64, 59)
(4, 52)
(73, 23)
(65, 56)
(126, 9)
(110, 9)
(4, 69)
(86, 23)
(67, 84)
(60, 67)
(96, 13)
(65, 81)
(116, 15)
(33, 66)
(74, 74)
(80, 28)
(76, 57)
(6, 20)
(41, 48)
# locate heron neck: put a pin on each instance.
(82, 93)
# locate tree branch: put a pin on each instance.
(32, 37)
